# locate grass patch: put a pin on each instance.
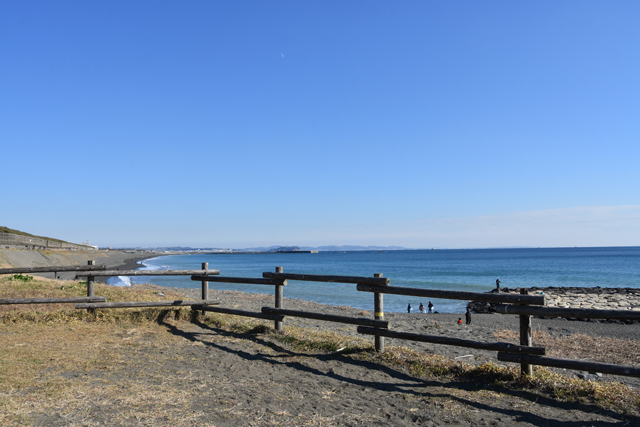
(303, 340)
(608, 395)
(582, 347)
(21, 277)
(10, 287)
(92, 369)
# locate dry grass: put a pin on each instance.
(306, 341)
(582, 347)
(90, 369)
(544, 382)
(49, 288)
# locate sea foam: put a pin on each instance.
(118, 281)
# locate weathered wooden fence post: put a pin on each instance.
(205, 285)
(378, 313)
(525, 337)
(90, 282)
(90, 285)
(279, 300)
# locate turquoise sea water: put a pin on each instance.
(466, 270)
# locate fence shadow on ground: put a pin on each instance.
(401, 382)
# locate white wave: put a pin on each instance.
(118, 281)
(146, 265)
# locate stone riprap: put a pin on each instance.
(573, 297)
(596, 298)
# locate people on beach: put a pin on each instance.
(421, 308)
(409, 308)
(498, 284)
(467, 315)
(430, 306)
(459, 320)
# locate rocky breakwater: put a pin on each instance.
(596, 298)
(572, 297)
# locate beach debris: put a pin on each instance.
(591, 376)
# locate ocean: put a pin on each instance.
(461, 269)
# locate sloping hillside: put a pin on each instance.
(22, 233)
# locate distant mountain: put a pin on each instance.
(259, 249)
(324, 248)
(178, 249)
(342, 248)
(286, 249)
(352, 248)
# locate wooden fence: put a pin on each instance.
(523, 305)
(91, 271)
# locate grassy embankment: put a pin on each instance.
(22, 233)
(60, 360)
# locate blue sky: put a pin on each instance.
(236, 124)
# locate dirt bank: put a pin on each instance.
(45, 258)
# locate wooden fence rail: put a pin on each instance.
(581, 313)
(5, 301)
(323, 278)
(327, 317)
(151, 273)
(245, 280)
(128, 304)
(224, 310)
(458, 295)
(55, 269)
(497, 346)
(579, 365)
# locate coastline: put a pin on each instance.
(123, 261)
(130, 263)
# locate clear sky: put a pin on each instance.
(447, 124)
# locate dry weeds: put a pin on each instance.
(582, 347)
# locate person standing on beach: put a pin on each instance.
(409, 308)
(498, 284)
(430, 306)
(421, 308)
(467, 315)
